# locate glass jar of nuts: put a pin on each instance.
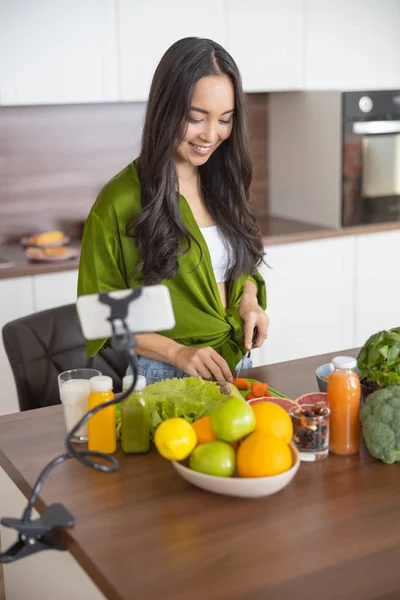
(311, 430)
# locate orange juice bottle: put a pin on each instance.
(344, 397)
(102, 435)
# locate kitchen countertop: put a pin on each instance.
(275, 231)
(286, 231)
(23, 267)
(143, 532)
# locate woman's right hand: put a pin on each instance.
(202, 361)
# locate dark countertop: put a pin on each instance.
(275, 231)
(23, 267)
(144, 532)
(278, 231)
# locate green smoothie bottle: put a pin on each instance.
(135, 430)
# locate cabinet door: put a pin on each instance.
(55, 289)
(351, 45)
(310, 291)
(377, 284)
(58, 52)
(265, 37)
(147, 29)
(16, 301)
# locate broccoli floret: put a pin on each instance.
(380, 421)
(395, 403)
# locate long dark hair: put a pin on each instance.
(159, 231)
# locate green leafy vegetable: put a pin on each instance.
(379, 358)
(189, 398)
(380, 421)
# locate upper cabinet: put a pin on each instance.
(148, 28)
(58, 52)
(351, 44)
(265, 37)
(84, 51)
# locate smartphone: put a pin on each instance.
(150, 312)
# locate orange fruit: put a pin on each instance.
(272, 418)
(263, 454)
(203, 430)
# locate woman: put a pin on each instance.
(180, 215)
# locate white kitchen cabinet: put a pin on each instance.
(148, 27)
(55, 289)
(377, 301)
(16, 301)
(58, 52)
(310, 291)
(350, 45)
(23, 296)
(265, 37)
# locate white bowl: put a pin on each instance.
(242, 487)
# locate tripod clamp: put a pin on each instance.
(121, 337)
(38, 535)
(34, 536)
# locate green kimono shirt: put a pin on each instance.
(109, 258)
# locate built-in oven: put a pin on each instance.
(371, 157)
(334, 157)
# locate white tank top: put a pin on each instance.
(220, 252)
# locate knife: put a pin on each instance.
(253, 341)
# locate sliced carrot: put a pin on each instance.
(266, 387)
(241, 384)
(258, 389)
(250, 396)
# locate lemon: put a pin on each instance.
(175, 439)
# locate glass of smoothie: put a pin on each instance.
(74, 392)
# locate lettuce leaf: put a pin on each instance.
(190, 398)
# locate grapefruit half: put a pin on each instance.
(320, 398)
(285, 403)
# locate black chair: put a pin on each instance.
(42, 345)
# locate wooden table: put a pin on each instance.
(145, 533)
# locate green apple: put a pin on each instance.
(213, 458)
(232, 418)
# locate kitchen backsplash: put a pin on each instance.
(55, 159)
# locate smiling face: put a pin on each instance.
(210, 120)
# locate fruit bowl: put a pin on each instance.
(246, 487)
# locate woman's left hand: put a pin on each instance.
(253, 315)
